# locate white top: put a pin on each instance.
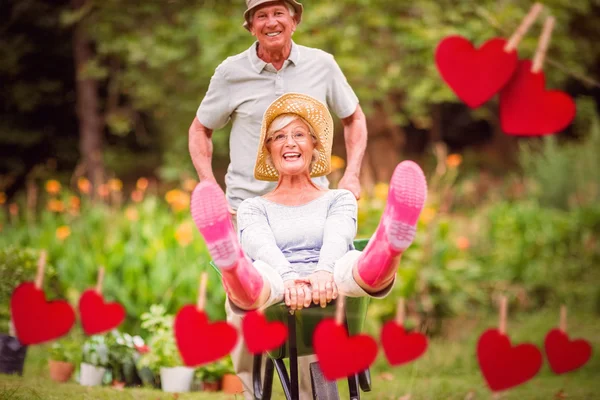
(242, 88)
(299, 240)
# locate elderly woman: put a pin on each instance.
(295, 243)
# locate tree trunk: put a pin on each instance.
(386, 143)
(90, 121)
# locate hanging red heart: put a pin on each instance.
(260, 335)
(37, 320)
(527, 108)
(339, 355)
(401, 347)
(475, 75)
(566, 355)
(504, 366)
(98, 316)
(199, 341)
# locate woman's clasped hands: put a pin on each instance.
(319, 287)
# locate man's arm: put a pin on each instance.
(201, 149)
(355, 136)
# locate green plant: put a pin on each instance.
(215, 371)
(122, 355)
(66, 350)
(163, 350)
(18, 265)
(95, 351)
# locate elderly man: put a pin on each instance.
(242, 88)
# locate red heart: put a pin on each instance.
(260, 335)
(565, 355)
(37, 320)
(98, 316)
(527, 108)
(339, 355)
(199, 341)
(400, 347)
(475, 75)
(504, 366)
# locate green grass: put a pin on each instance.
(448, 370)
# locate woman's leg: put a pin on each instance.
(244, 285)
(376, 268)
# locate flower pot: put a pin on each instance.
(231, 384)
(211, 386)
(12, 355)
(176, 379)
(60, 371)
(91, 375)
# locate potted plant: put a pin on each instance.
(61, 363)
(163, 356)
(211, 375)
(95, 361)
(230, 382)
(122, 355)
(17, 265)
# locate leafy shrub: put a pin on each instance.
(566, 175)
(163, 348)
(66, 350)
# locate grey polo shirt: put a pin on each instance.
(242, 88)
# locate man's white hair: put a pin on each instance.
(287, 5)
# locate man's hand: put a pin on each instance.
(296, 294)
(350, 182)
(323, 287)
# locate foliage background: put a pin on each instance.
(505, 215)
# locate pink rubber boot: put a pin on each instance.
(241, 280)
(397, 228)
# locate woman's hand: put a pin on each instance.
(323, 287)
(296, 294)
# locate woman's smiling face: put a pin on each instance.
(291, 148)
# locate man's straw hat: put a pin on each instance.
(316, 114)
(250, 4)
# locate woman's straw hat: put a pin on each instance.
(316, 114)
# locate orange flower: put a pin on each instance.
(53, 186)
(84, 185)
(189, 185)
(173, 195)
(137, 196)
(13, 209)
(184, 233)
(337, 163)
(427, 214)
(74, 202)
(178, 199)
(131, 214)
(55, 205)
(462, 243)
(63, 232)
(453, 160)
(115, 185)
(103, 190)
(380, 191)
(2, 198)
(142, 184)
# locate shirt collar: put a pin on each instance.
(258, 64)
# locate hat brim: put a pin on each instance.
(297, 7)
(316, 114)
